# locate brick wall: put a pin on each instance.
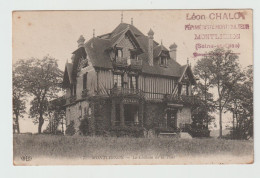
(76, 113)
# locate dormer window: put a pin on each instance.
(185, 89)
(119, 53)
(163, 61)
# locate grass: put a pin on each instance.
(76, 147)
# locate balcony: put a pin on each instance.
(119, 91)
(84, 93)
(180, 99)
(135, 64)
(120, 62)
(127, 62)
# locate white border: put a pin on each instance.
(6, 166)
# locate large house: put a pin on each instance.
(125, 79)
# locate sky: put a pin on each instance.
(55, 33)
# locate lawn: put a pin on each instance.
(112, 150)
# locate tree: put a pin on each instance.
(204, 104)
(242, 107)
(225, 73)
(41, 79)
(18, 100)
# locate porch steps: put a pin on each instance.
(168, 134)
(185, 135)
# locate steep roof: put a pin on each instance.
(122, 26)
(67, 77)
(158, 49)
(98, 48)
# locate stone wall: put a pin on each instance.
(76, 113)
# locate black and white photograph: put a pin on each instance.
(132, 87)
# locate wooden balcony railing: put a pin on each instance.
(126, 62)
(135, 64)
(120, 62)
(119, 91)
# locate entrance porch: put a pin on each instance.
(127, 112)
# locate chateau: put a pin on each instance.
(126, 80)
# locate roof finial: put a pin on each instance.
(93, 32)
(187, 60)
(122, 16)
(161, 42)
(132, 21)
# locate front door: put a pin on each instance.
(131, 114)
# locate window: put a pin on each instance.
(80, 111)
(185, 89)
(73, 89)
(117, 80)
(85, 81)
(163, 61)
(119, 53)
(133, 83)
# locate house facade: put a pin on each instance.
(125, 79)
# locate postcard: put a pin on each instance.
(138, 87)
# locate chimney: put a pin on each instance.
(173, 50)
(81, 41)
(150, 47)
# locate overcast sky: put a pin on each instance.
(55, 33)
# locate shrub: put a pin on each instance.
(84, 126)
(70, 129)
(237, 134)
(199, 131)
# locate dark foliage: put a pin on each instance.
(84, 126)
(70, 129)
